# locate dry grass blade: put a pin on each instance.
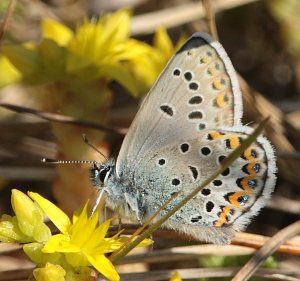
(176, 16)
(5, 24)
(243, 239)
(291, 246)
(186, 253)
(195, 273)
(210, 18)
(63, 119)
(226, 163)
(9, 247)
(283, 204)
(268, 249)
(17, 274)
(288, 154)
(258, 107)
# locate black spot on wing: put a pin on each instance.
(168, 110)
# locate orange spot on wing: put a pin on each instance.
(234, 199)
(247, 154)
(204, 59)
(216, 135)
(250, 168)
(245, 185)
(220, 100)
(217, 84)
(223, 216)
(212, 71)
(234, 142)
(219, 223)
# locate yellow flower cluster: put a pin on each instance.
(97, 49)
(68, 255)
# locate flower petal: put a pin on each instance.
(82, 229)
(163, 42)
(51, 272)
(34, 252)
(41, 232)
(77, 259)
(60, 243)
(56, 31)
(56, 215)
(144, 243)
(104, 266)
(176, 277)
(10, 231)
(119, 73)
(98, 235)
(25, 60)
(9, 74)
(111, 23)
(29, 217)
(111, 244)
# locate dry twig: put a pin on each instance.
(4, 26)
(249, 240)
(63, 119)
(268, 249)
(179, 15)
(210, 18)
(195, 273)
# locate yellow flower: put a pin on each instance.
(35, 253)
(97, 49)
(10, 231)
(66, 256)
(82, 241)
(9, 74)
(176, 277)
(28, 224)
(56, 31)
(101, 49)
(51, 272)
(147, 68)
(164, 47)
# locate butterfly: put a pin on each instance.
(189, 122)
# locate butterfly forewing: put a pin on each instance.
(197, 90)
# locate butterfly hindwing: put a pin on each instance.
(226, 204)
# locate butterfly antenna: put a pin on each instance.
(53, 161)
(85, 139)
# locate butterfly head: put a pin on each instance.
(101, 173)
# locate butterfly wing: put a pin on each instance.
(197, 90)
(225, 205)
(178, 139)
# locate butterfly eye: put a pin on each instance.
(103, 173)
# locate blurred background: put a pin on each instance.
(89, 63)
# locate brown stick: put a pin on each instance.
(210, 18)
(63, 119)
(268, 249)
(4, 25)
(178, 15)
